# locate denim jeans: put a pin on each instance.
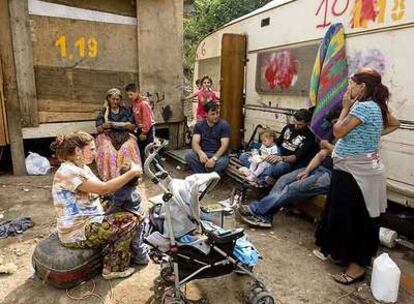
(193, 161)
(138, 246)
(245, 159)
(143, 143)
(274, 170)
(288, 190)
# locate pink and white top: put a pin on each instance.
(203, 97)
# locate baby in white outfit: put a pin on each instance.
(257, 158)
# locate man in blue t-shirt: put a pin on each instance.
(210, 142)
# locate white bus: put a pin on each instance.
(379, 34)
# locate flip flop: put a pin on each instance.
(346, 279)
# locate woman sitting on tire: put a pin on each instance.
(81, 222)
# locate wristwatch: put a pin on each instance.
(214, 158)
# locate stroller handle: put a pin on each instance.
(153, 149)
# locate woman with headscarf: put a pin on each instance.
(349, 230)
(115, 143)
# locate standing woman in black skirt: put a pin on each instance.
(349, 230)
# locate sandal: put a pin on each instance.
(118, 275)
(346, 279)
(317, 253)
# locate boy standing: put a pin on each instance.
(143, 116)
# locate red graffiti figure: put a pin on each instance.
(281, 70)
(364, 11)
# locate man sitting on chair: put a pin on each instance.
(210, 142)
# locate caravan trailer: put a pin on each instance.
(378, 34)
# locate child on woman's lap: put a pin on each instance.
(257, 159)
(128, 199)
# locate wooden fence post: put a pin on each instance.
(23, 56)
(10, 91)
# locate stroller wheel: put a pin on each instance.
(263, 297)
(172, 301)
(167, 273)
(254, 290)
(169, 298)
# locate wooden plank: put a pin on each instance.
(4, 140)
(233, 58)
(22, 46)
(65, 43)
(45, 117)
(74, 85)
(10, 91)
(47, 105)
(53, 129)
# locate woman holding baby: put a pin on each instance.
(81, 221)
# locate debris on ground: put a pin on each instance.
(8, 268)
(15, 227)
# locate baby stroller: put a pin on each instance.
(169, 233)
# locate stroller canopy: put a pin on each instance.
(185, 205)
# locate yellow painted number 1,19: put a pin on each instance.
(61, 43)
(80, 45)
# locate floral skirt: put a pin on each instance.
(109, 160)
(114, 235)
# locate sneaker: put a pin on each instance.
(257, 221)
(244, 210)
(118, 274)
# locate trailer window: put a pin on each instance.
(265, 22)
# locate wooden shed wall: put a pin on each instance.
(78, 54)
(3, 123)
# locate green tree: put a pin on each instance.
(210, 15)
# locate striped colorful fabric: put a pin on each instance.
(329, 80)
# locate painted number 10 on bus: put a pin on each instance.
(360, 12)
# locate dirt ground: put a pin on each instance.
(288, 267)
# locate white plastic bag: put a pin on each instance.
(37, 164)
(385, 279)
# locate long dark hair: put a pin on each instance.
(374, 89)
